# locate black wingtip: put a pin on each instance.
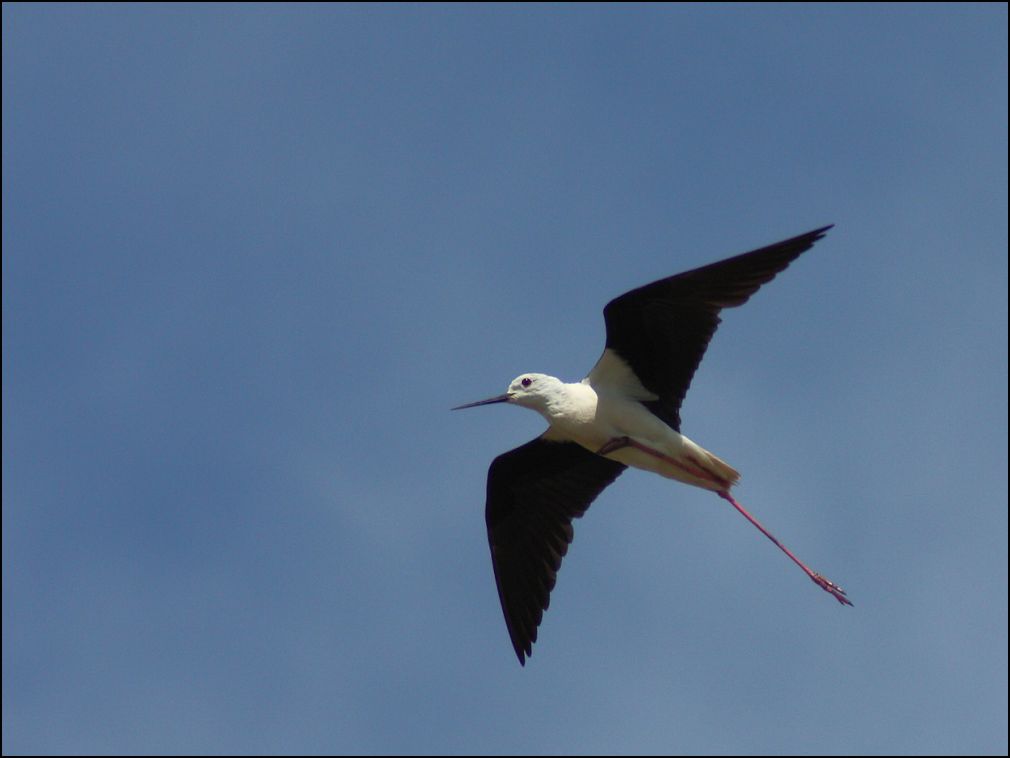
(808, 238)
(522, 653)
(819, 233)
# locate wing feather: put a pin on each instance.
(661, 330)
(533, 494)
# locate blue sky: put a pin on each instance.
(252, 255)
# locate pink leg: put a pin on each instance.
(828, 586)
(837, 592)
(684, 465)
(615, 444)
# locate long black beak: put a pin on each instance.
(489, 401)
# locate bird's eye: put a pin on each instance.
(527, 381)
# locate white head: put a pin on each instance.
(528, 390)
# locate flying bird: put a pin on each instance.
(626, 412)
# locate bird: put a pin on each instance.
(624, 413)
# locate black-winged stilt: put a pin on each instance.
(625, 413)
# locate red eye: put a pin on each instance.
(527, 381)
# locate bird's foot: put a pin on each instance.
(828, 586)
(615, 444)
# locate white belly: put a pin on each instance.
(670, 454)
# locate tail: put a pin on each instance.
(726, 475)
(711, 471)
(724, 471)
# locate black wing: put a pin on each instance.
(661, 330)
(533, 493)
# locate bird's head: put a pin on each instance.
(528, 390)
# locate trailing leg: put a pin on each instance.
(686, 463)
(828, 586)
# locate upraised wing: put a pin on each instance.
(661, 330)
